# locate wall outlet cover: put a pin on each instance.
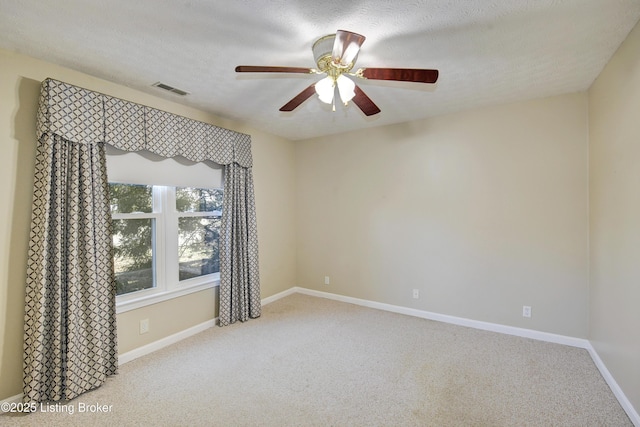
(144, 326)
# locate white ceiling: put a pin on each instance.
(488, 51)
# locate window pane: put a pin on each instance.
(129, 198)
(133, 254)
(198, 252)
(198, 199)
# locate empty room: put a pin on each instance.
(291, 213)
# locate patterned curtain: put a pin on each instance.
(239, 279)
(70, 320)
(70, 326)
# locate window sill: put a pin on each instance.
(142, 301)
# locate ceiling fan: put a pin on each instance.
(335, 56)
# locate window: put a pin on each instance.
(166, 216)
(165, 239)
(199, 213)
(134, 237)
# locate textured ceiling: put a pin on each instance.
(487, 51)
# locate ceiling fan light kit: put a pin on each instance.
(335, 56)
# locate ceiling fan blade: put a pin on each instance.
(261, 69)
(399, 74)
(346, 47)
(365, 103)
(299, 98)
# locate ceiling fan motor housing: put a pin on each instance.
(322, 53)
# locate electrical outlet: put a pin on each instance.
(526, 311)
(326, 280)
(416, 293)
(144, 326)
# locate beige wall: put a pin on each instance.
(20, 78)
(482, 211)
(614, 129)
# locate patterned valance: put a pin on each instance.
(78, 114)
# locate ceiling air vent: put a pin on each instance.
(170, 88)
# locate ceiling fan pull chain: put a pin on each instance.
(333, 102)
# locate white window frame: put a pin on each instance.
(165, 261)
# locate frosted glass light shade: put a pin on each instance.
(346, 88)
(325, 89)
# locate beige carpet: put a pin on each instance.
(316, 362)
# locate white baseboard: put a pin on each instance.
(486, 326)
(172, 339)
(10, 400)
(615, 388)
(279, 295)
(494, 327)
(166, 341)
